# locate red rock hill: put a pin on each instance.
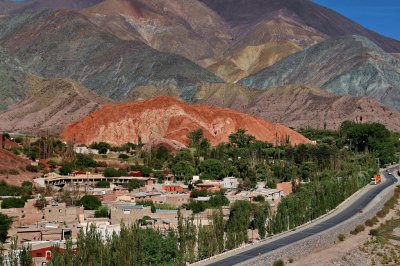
(170, 119)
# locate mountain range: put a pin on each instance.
(293, 62)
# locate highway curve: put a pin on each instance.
(338, 218)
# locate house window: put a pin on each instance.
(48, 253)
(39, 255)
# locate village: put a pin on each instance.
(51, 217)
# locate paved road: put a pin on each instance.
(340, 217)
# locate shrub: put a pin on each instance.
(341, 237)
(279, 263)
(291, 260)
(372, 221)
(103, 184)
(374, 232)
(359, 228)
(102, 211)
(259, 198)
(32, 168)
(123, 156)
(9, 203)
(89, 202)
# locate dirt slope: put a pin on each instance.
(171, 119)
(50, 105)
(299, 106)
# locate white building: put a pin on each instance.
(230, 183)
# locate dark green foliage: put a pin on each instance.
(218, 200)
(84, 161)
(341, 237)
(279, 263)
(66, 169)
(123, 156)
(112, 172)
(103, 147)
(103, 184)
(10, 190)
(359, 228)
(374, 232)
(370, 137)
(238, 223)
(134, 184)
(259, 198)
(183, 170)
(146, 171)
(5, 224)
(9, 203)
(241, 139)
(211, 169)
(32, 168)
(133, 246)
(89, 202)
(198, 193)
(102, 211)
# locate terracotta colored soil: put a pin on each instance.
(171, 119)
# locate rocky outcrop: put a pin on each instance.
(171, 119)
(231, 38)
(347, 65)
(50, 105)
(8, 7)
(55, 44)
(299, 106)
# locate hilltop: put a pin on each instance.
(299, 106)
(170, 119)
(54, 44)
(232, 38)
(346, 65)
(50, 105)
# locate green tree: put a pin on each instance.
(241, 139)
(238, 223)
(103, 184)
(211, 169)
(102, 211)
(89, 202)
(5, 225)
(183, 170)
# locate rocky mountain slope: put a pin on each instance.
(299, 106)
(62, 44)
(185, 27)
(50, 105)
(13, 7)
(167, 118)
(346, 65)
(12, 76)
(232, 38)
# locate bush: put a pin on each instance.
(259, 198)
(32, 168)
(89, 202)
(371, 222)
(359, 228)
(373, 232)
(291, 260)
(134, 184)
(123, 156)
(102, 211)
(103, 184)
(9, 203)
(279, 263)
(341, 237)
(5, 224)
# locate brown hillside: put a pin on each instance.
(50, 105)
(299, 106)
(171, 119)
